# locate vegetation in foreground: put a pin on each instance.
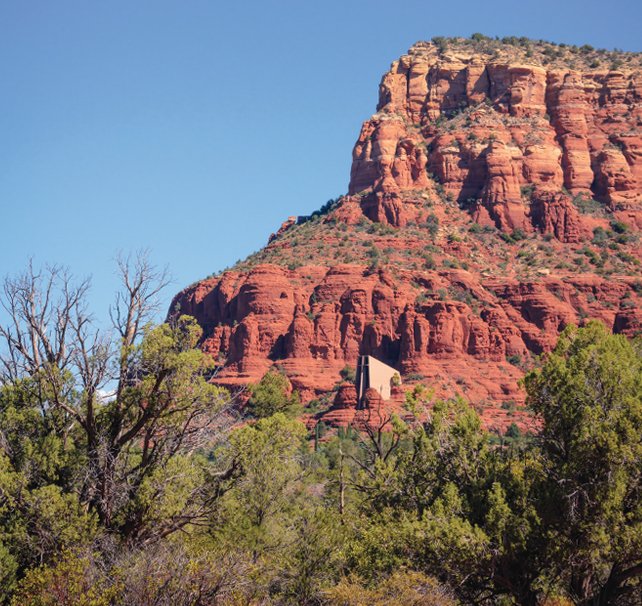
(158, 494)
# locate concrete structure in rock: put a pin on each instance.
(371, 373)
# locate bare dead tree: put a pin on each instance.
(46, 311)
(138, 302)
(378, 441)
(383, 438)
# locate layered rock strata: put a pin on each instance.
(315, 320)
(487, 131)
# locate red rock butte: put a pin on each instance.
(494, 198)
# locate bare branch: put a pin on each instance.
(42, 307)
(137, 303)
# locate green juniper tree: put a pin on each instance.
(270, 396)
(589, 396)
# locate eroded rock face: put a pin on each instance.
(484, 130)
(315, 320)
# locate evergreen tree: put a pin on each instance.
(589, 396)
(271, 395)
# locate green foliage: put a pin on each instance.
(162, 575)
(53, 475)
(449, 505)
(586, 204)
(67, 582)
(326, 209)
(402, 588)
(441, 43)
(269, 486)
(515, 360)
(270, 396)
(430, 262)
(589, 396)
(36, 516)
(348, 374)
(431, 224)
(514, 431)
(619, 227)
(310, 561)
(477, 37)
(414, 376)
(527, 191)
(628, 258)
(600, 236)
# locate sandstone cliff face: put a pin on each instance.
(314, 321)
(491, 204)
(484, 129)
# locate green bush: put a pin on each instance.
(627, 258)
(514, 431)
(515, 360)
(441, 43)
(619, 227)
(413, 376)
(347, 374)
(509, 405)
(270, 396)
(585, 204)
(527, 191)
(599, 236)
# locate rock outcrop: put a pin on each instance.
(314, 321)
(485, 130)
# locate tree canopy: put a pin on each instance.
(271, 395)
(77, 462)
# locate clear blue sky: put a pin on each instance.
(196, 127)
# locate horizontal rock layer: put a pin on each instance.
(315, 320)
